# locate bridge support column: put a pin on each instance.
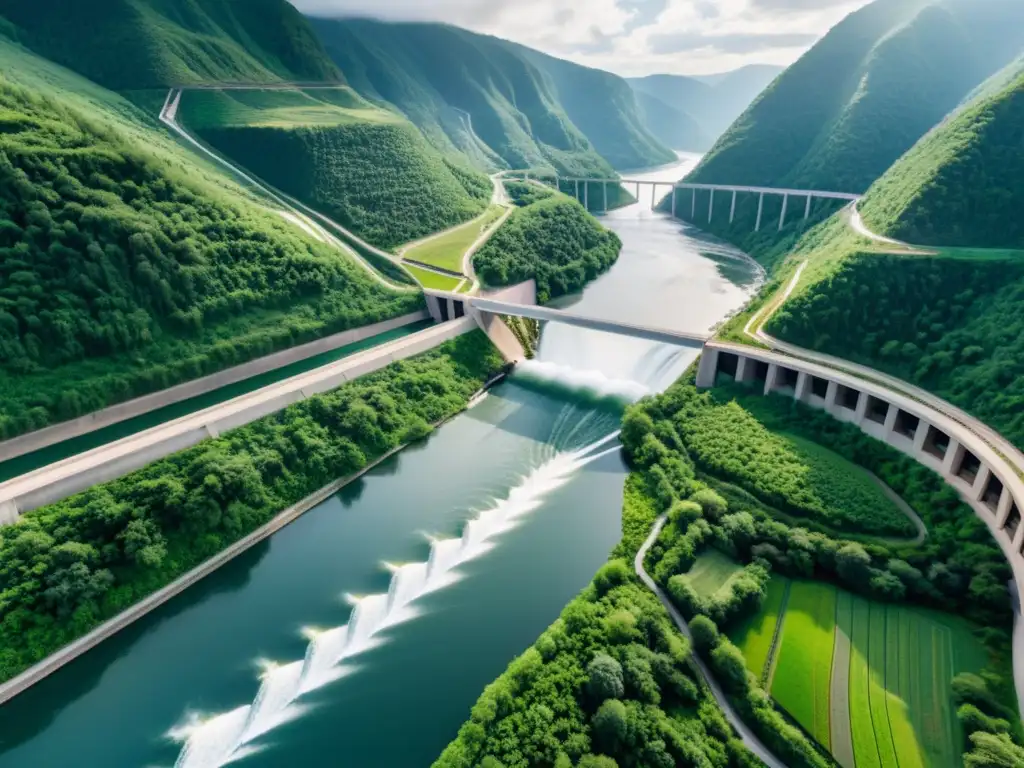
(1003, 510)
(890, 416)
(693, 204)
(803, 387)
(577, 182)
(654, 188)
(732, 208)
(807, 208)
(638, 191)
(782, 218)
(586, 192)
(831, 394)
(921, 437)
(745, 370)
(769, 380)
(711, 205)
(954, 453)
(707, 369)
(674, 190)
(760, 210)
(980, 483)
(1018, 540)
(604, 197)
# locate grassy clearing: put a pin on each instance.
(447, 251)
(802, 677)
(278, 108)
(433, 280)
(864, 747)
(711, 572)
(754, 637)
(839, 714)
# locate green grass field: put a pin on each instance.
(712, 571)
(447, 251)
(278, 108)
(433, 280)
(801, 683)
(754, 636)
(901, 662)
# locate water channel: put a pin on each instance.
(361, 634)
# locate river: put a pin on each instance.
(361, 634)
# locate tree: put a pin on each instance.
(993, 751)
(853, 564)
(705, 634)
(597, 761)
(730, 666)
(604, 678)
(609, 725)
(712, 503)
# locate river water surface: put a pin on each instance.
(361, 634)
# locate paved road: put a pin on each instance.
(749, 738)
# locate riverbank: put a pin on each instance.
(69, 653)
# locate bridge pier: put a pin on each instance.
(807, 208)
(732, 208)
(711, 204)
(586, 192)
(674, 190)
(693, 203)
(604, 197)
(654, 188)
(760, 210)
(782, 218)
(577, 190)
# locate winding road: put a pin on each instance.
(749, 738)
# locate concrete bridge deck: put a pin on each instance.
(534, 312)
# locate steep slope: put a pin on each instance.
(963, 183)
(603, 107)
(672, 127)
(861, 97)
(127, 266)
(141, 44)
(714, 101)
(367, 168)
(489, 99)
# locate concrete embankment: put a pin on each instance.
(58, 433)
(87, 642)
(60, 480)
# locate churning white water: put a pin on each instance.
(224, 738)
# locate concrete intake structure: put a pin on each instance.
(983, 478)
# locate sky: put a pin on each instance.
(629, 37)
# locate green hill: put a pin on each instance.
(865, 93)
(550, 238)
(367, 168)
(710, 103)
(141, 44)
(499, 104)
(127, 265)
(963, 183)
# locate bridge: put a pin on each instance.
(733, 190)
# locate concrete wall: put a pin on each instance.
(57, 433)
(60, 480)
(983, 478)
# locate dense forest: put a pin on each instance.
(865, 93)
(120, 274)
(377, 177)
(156, 43)
(963, 184)
(68, 566)
(553, 240)
(608, 685)
(499, 104)
(952, 326)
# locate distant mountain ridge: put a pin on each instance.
(144, 44)
(865, 93)
(496, 102)
(690, 112)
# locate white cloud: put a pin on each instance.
(631, 37)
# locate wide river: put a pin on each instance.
(362, 634)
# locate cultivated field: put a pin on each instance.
(447, 250)
(870, 681)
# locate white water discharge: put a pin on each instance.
(217, 740)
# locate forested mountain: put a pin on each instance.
(140, 44)
(672, 126)
(963, 183)
(712, 102)
(501, 105)
(127, 265)
(865, 93)
(367, 168)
